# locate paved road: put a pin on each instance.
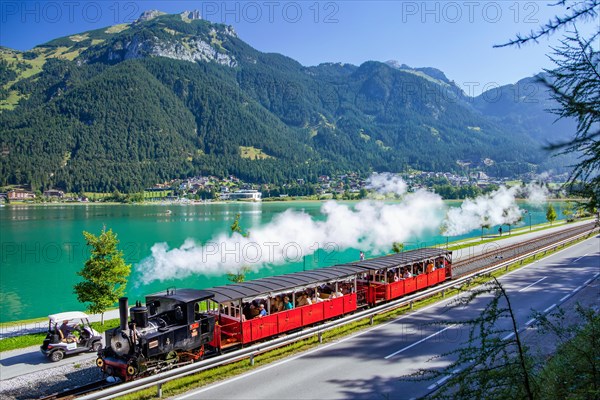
(22, 361)
(25, 361)
(367, 365)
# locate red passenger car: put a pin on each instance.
(319, 295)
(181, 326)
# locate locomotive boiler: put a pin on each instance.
(168, 331)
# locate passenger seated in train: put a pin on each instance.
(303, 300)
(261, 311)
(254, 309)
(406, 274)
(317, 298)
(326, 288)
(430, 266)
(277, 305)
(287, 304)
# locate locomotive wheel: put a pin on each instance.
(57, 355)
(131, 370)
(96, 347)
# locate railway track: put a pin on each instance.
(80, 390)
(495, 254)
(490, 257)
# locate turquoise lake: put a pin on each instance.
(42, 247)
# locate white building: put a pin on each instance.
(246, 194)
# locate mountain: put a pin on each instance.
(526, 104)
(171, 96)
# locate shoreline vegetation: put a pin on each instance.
(299, 199)
(453, 245)
(181, 385)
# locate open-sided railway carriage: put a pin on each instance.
(361, 283)
(179, 326)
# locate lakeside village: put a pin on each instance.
(351, 186)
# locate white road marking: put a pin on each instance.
(586, 282)
(538, 281)
(549, 308)
(577, 289)
(508, 336)
(579, 258)
(420, 341)
(270, 366)
(444, 379)
(529, 322)
(565, 297)
(193, 393)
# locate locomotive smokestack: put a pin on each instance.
(123, 307)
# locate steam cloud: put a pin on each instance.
(387, 184)
(497, 208)
(370, 225)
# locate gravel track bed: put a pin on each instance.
(49, 381)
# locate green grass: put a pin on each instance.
(514, 232)
(19, 342)
(190, 382)
(36, 339)
(253, 153)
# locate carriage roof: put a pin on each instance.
(282, 283)
(404, 258)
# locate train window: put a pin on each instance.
(212, 307)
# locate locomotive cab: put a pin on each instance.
(168, 330)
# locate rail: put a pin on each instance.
(250, 352)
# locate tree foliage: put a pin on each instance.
(551, 214)
(495, 363)
(104, 273)
(486, 365)
(103, 122)
(397, 247)
(240, 275)
(573, 372)
(574, 84)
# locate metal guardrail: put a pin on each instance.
(250, 352)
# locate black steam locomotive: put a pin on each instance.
(169, 330)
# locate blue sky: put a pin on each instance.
(456, 37)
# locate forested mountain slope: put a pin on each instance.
(171, 96)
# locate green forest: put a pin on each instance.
(123, 109)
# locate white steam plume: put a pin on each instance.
(496, 208)
(386, 183)
(370, 225)
(536, 194)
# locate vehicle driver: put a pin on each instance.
(66, 332)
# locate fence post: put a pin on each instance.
(371, 320)
(159, 390)
(251, 359)
(320, 337)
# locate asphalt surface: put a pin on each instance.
(24, 361)
(19, 362)
(368, 365)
